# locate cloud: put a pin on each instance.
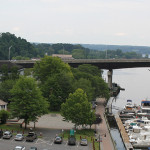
(16, 29)
(120, 34)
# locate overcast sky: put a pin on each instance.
(118, 22)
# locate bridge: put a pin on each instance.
(108, 64)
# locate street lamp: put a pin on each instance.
(100, 140)
(9, 52)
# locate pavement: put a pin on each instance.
(102, 129)
(52, 121)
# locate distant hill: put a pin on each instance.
(124, 48)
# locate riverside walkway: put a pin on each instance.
(102, 129)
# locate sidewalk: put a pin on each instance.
(102, 129)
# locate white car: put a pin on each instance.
(19, 137)
(19, 148)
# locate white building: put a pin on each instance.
(3, 105)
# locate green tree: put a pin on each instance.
(90, 69)
(4, 115)
(49, 66)
(27, 101)
(55, 80)
(86, 86)
(56, 89)
(4, 72)
(5, 88)
(77, 108)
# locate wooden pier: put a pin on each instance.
(123, 133)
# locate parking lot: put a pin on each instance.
(46, 142)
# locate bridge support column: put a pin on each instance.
(109, 74)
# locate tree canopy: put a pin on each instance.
(77, 109)
(27, 101)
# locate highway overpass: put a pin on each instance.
(108, 64)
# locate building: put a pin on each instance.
(3, 105)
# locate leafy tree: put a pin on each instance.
(98, 86)
(9, 73)
(4, 115)
(90, 69)
(48, 67)
(5, 88)
(77, 108)
(57, 89)
(27, 101)
(86, 86)
(4, 72)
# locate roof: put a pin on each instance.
(2, 103)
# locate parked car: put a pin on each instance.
(83, 142)
(58, 139)
(31, 136)
(72, 140)
(7, 135)
(19, 137)
(33, 148)
(19, 148)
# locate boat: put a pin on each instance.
(145, 109)
(129, 105)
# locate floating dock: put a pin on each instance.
(123, 133)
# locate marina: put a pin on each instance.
(135, 130)
(136, 84)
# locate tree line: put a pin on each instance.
(52, 85)
(19, 49)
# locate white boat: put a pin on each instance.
(129, 105)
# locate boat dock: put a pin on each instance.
(123, 133)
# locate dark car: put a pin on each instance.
(71, 141)
(33, 148)
(58, 139)
(31, 136)
(84, 142)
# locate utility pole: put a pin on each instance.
(9, 52)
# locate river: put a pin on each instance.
(136, 82)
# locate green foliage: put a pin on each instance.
(93, 85)
(20, 47)
(86, 86)
(4, 72)
(49, 66)
(77, 108)
(55, 80)
(5, 88)
(9, 73)
(23, 50)
(90, 69)
(27, 101)
(4, 115)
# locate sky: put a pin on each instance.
(112, 22)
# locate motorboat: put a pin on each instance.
(129, 105)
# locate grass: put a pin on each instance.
(84, 133)
(15, 128)
(54, 112)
